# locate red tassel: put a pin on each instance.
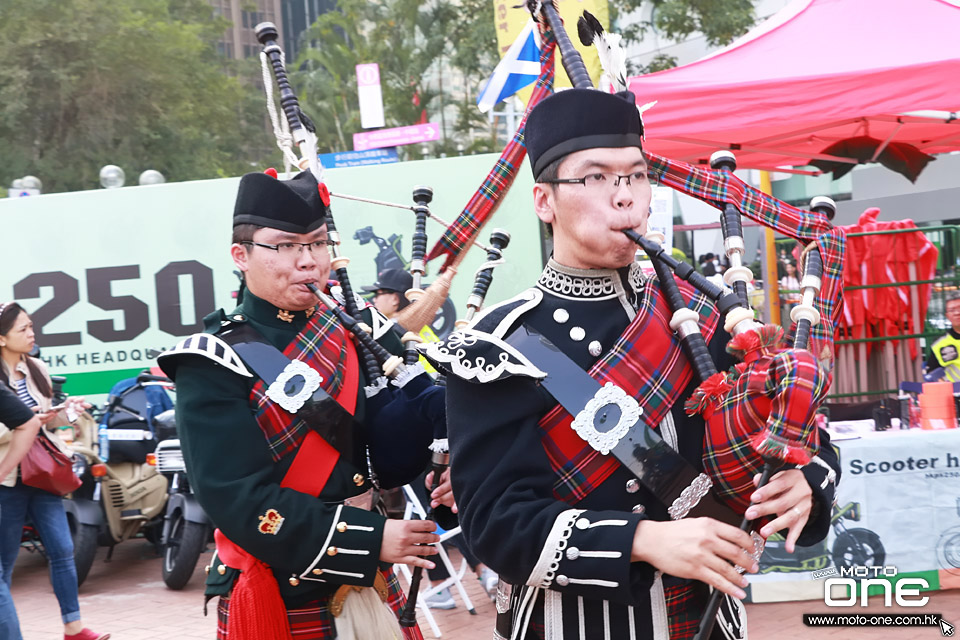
(778, 448)
(709, 395)
(750, 345)
(271, 172)
(257, 611)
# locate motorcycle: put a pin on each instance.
(186, 527)
(856, 547)
(121, 495)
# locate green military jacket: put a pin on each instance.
(313, 545)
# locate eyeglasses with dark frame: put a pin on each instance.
(291, 249)
(602, 181)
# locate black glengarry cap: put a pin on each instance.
(396, 280)
(578, 119)
(291, 205)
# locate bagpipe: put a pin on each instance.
(440, 458)
(396, 385)
(760, 416)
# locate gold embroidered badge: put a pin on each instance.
(310, 312)
(270, 522)
(285, 315)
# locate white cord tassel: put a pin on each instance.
(281, 129)
(365, 616)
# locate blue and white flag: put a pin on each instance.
(519, 68)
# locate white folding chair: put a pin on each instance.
(415, 508)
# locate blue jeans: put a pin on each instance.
(48, 517)
(9, 623)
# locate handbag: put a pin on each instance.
(46, 467)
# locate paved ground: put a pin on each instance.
(128, 598)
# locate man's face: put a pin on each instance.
(387, 302)
(279, 279)
(587, 223)
(953, 314)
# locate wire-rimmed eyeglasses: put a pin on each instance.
(293, 249)
(605, 181)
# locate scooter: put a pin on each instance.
(186, 527)
(121, 495)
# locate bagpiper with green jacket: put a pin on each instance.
(284, 457)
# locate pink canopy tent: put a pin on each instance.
(818, 72)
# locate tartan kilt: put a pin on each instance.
(685, 605)
(314, 620)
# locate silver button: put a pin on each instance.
(595, 348)
(573, 553)
(632, 486)
(638, 508)
(563, 580)
(582, 523)
(577, 334)
(560, 316)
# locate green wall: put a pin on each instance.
(109, 275)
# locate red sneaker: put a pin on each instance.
(87, 634)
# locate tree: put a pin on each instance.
(413, 43)
(137, 83)
(720, 21)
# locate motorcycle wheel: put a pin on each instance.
(948, 551)
(84, 548)
(180, 554)
(858, 547)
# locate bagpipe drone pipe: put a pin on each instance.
(404, 407)
(440, 458)
(761, 416)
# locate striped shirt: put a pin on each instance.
(21, 388)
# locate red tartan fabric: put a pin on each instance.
(771, 411)
(685, 605)
(487, 198)
(648, 363)
(323, 346)
(315, 622)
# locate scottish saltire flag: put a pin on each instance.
(519, 68)
(487, 198)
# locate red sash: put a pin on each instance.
(257, 610)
